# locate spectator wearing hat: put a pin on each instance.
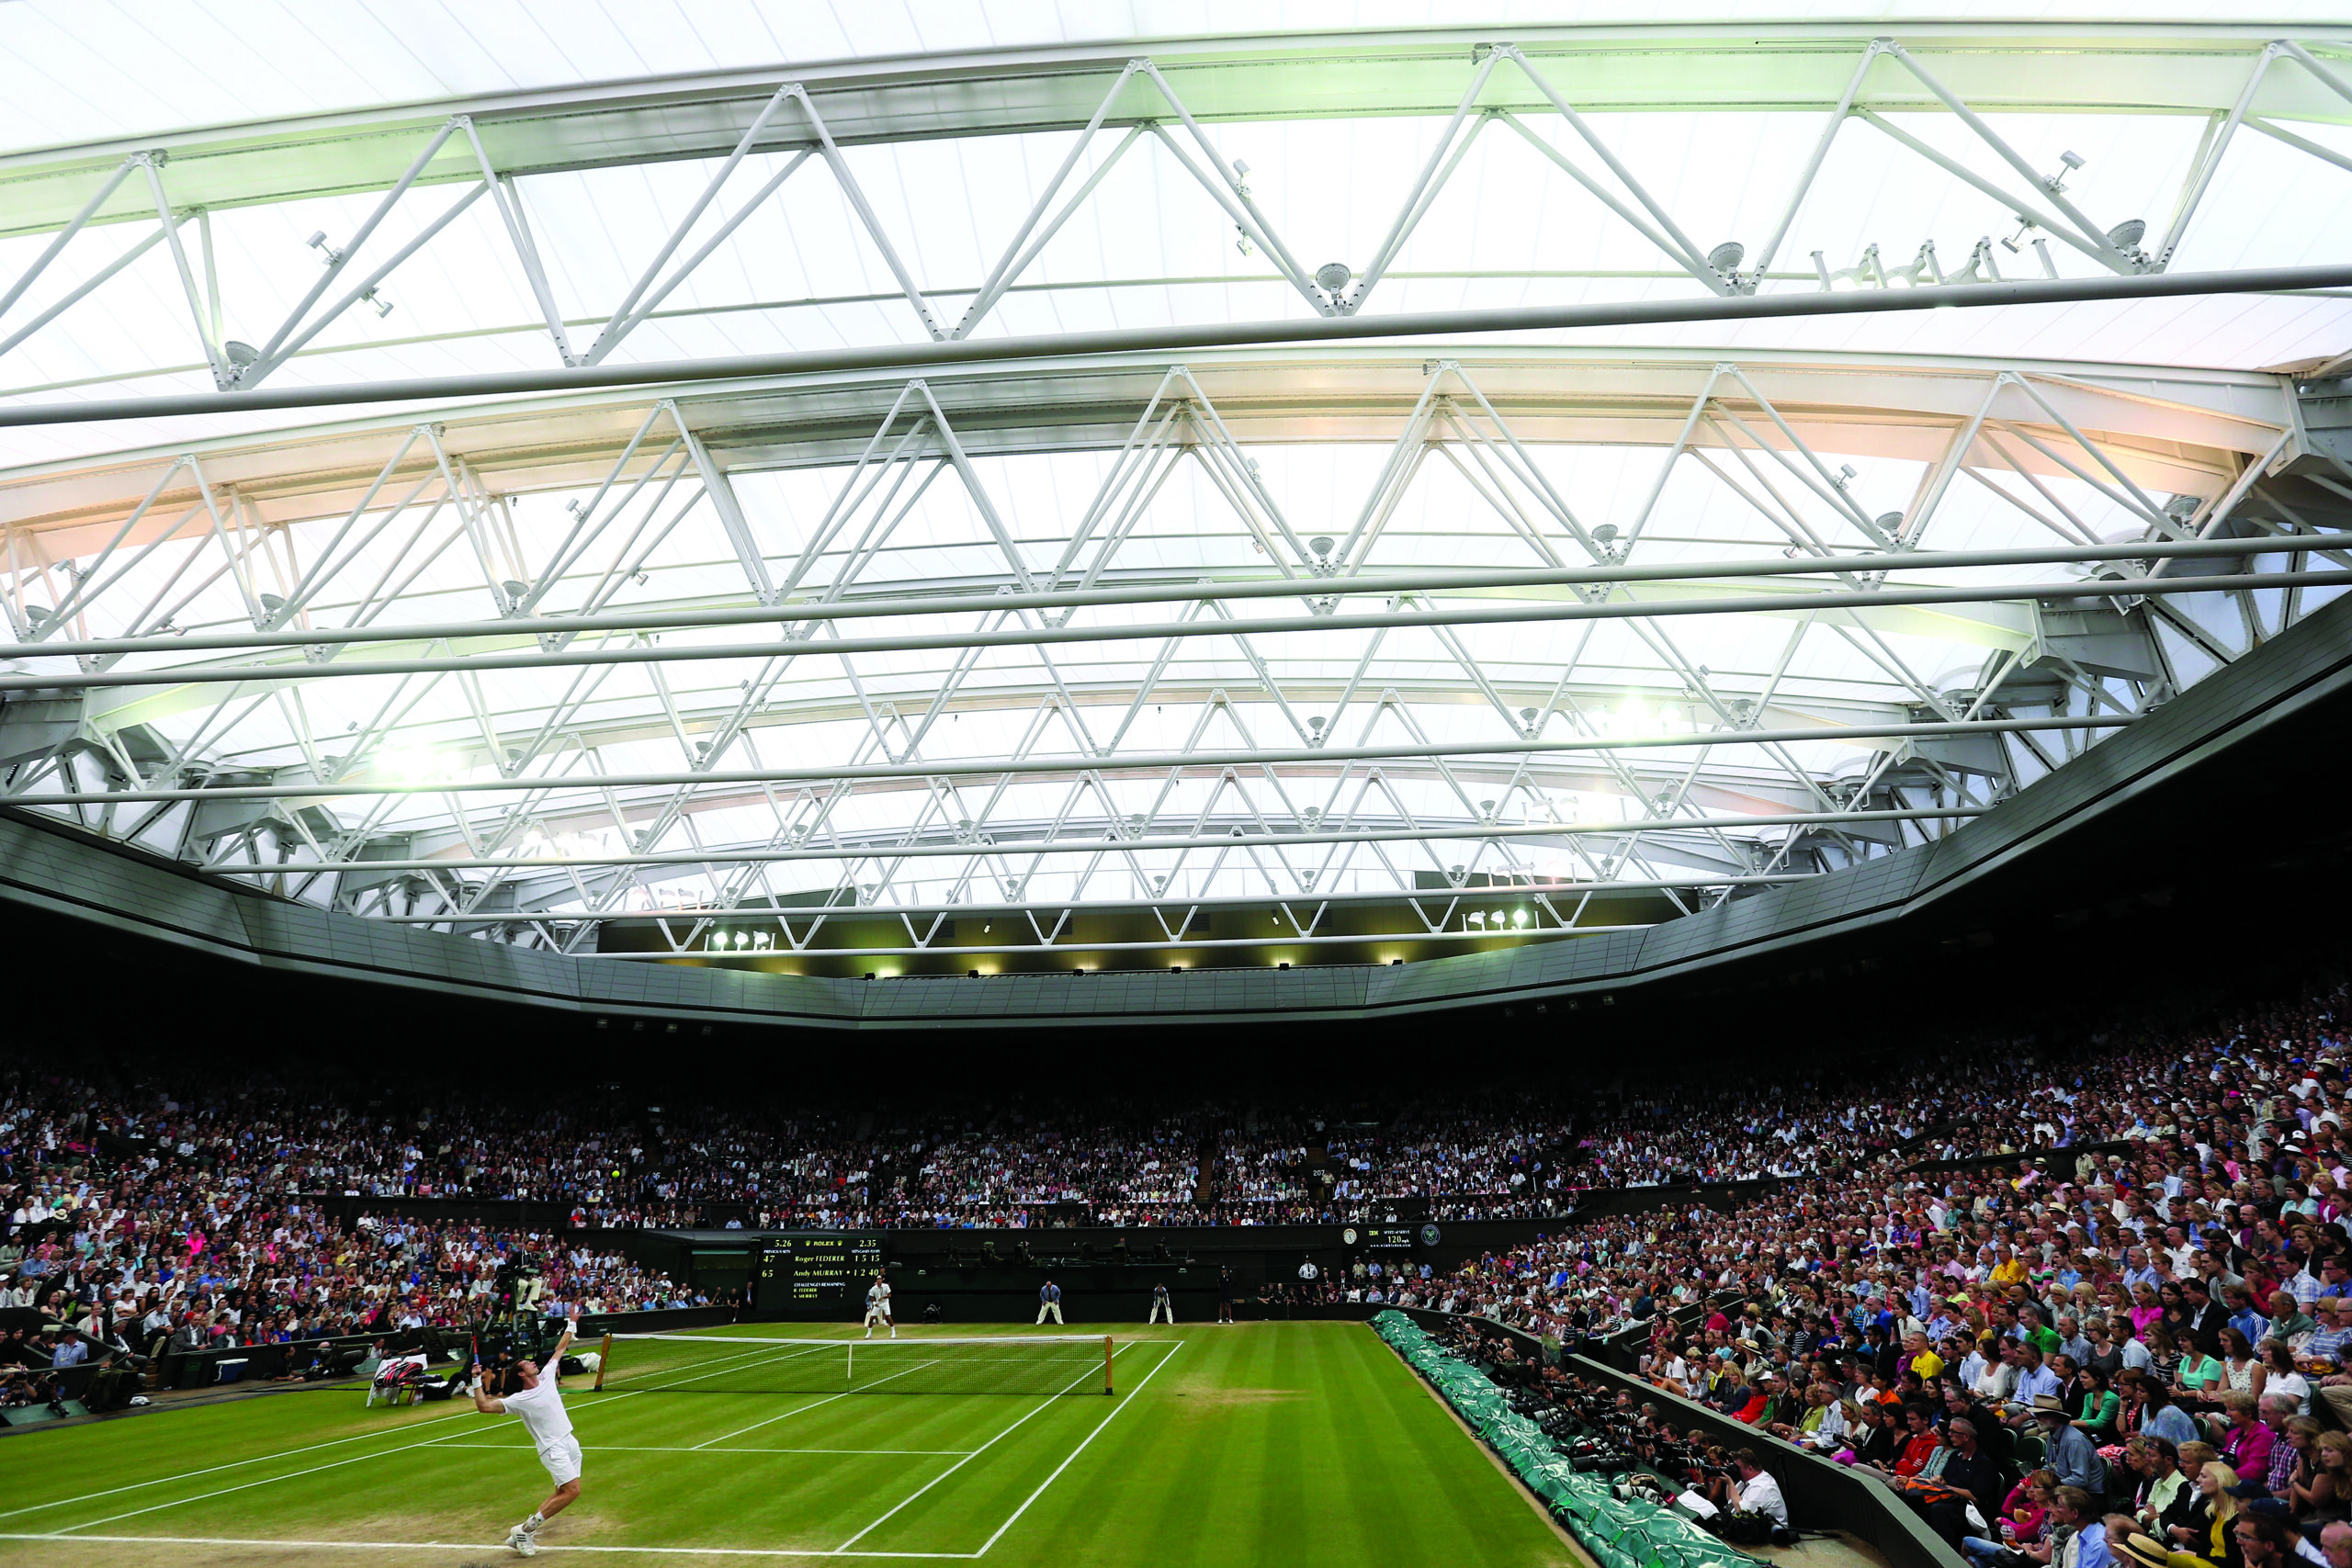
(2137, 1551)
(2066, 1448)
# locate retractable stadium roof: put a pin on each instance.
(930, 520)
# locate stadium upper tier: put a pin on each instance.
(943, 667)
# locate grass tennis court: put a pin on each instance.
(1291, 1443)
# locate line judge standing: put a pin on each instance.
(1049, 1301)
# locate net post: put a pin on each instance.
(1106, 1363)
(604, 1361)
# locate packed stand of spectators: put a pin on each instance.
(2147, 1341)
(134, 1226)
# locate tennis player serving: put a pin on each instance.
(540, 1406)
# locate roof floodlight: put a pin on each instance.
(1320, 544)
(1332, 276)
(2072, 159)
(1315, 721)
(2126, 236)
(1726, 259)
(1889, 522)
(240, 354)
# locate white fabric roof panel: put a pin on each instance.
(1148, 246)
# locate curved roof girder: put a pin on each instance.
(1992, 626)
(2184, 431)
(2168, 68)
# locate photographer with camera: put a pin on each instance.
(1755, 1491)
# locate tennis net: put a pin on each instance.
(714, 1363)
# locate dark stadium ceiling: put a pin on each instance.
(1661, 615)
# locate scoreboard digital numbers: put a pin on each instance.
(815, 1270)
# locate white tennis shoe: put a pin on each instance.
(519, 1538)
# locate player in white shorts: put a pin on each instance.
(540, 1406)
(877, 1307)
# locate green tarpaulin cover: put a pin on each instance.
(1620, 1534)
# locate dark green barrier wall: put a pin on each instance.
(1821, 1495)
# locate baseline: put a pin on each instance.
(699, 1448)
(469, 1546)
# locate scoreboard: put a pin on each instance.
(1389, 1235)
(821, 1270)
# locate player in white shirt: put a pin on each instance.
(877, 1307)
(540, 1406)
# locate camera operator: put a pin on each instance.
(1755, 1491)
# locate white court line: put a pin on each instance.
(1089, 1437)
(826, 1400)
(465, 1546)
(233, 1464)
(1047, 1405)
(62, 1533)
(313, 1448)
(773, 1419)
(698, 1449)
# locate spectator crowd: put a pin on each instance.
(2134, 1199)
